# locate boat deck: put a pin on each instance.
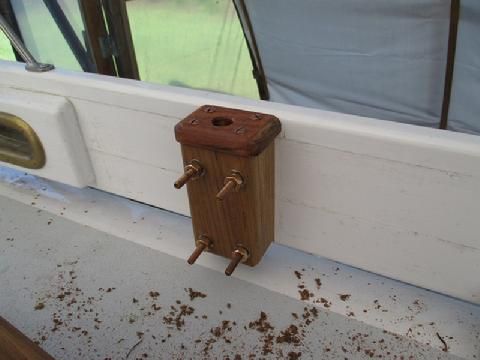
(88, 275)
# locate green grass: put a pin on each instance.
(198, 44)
(189, 43)
(6, 52)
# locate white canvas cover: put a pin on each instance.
(465, 106)
(376, 58)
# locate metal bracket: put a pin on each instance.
(108, 46)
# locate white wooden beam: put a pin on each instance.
(395, 199)
(54, 121)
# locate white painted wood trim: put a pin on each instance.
(395, 199)
(54, 121)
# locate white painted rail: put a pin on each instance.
(395, 199)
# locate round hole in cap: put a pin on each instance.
(222, 121)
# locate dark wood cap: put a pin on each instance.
(233, 131)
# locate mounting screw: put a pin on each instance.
(240, 131)
(191, 172)
(240, 254)
(232, 183)
(201, 244)
(209, 109)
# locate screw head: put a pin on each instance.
(240, 131)
(194, 121)
(209, 109)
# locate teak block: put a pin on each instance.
(243, 218)
(232, 131)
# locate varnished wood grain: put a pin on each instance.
(243, 218)
(16, 346)
(232, 131)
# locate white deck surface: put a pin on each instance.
(94, 261)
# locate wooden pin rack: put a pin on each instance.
(229, 162)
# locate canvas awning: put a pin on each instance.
(376, 58)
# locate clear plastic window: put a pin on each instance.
(42, 35)
(191, 43)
